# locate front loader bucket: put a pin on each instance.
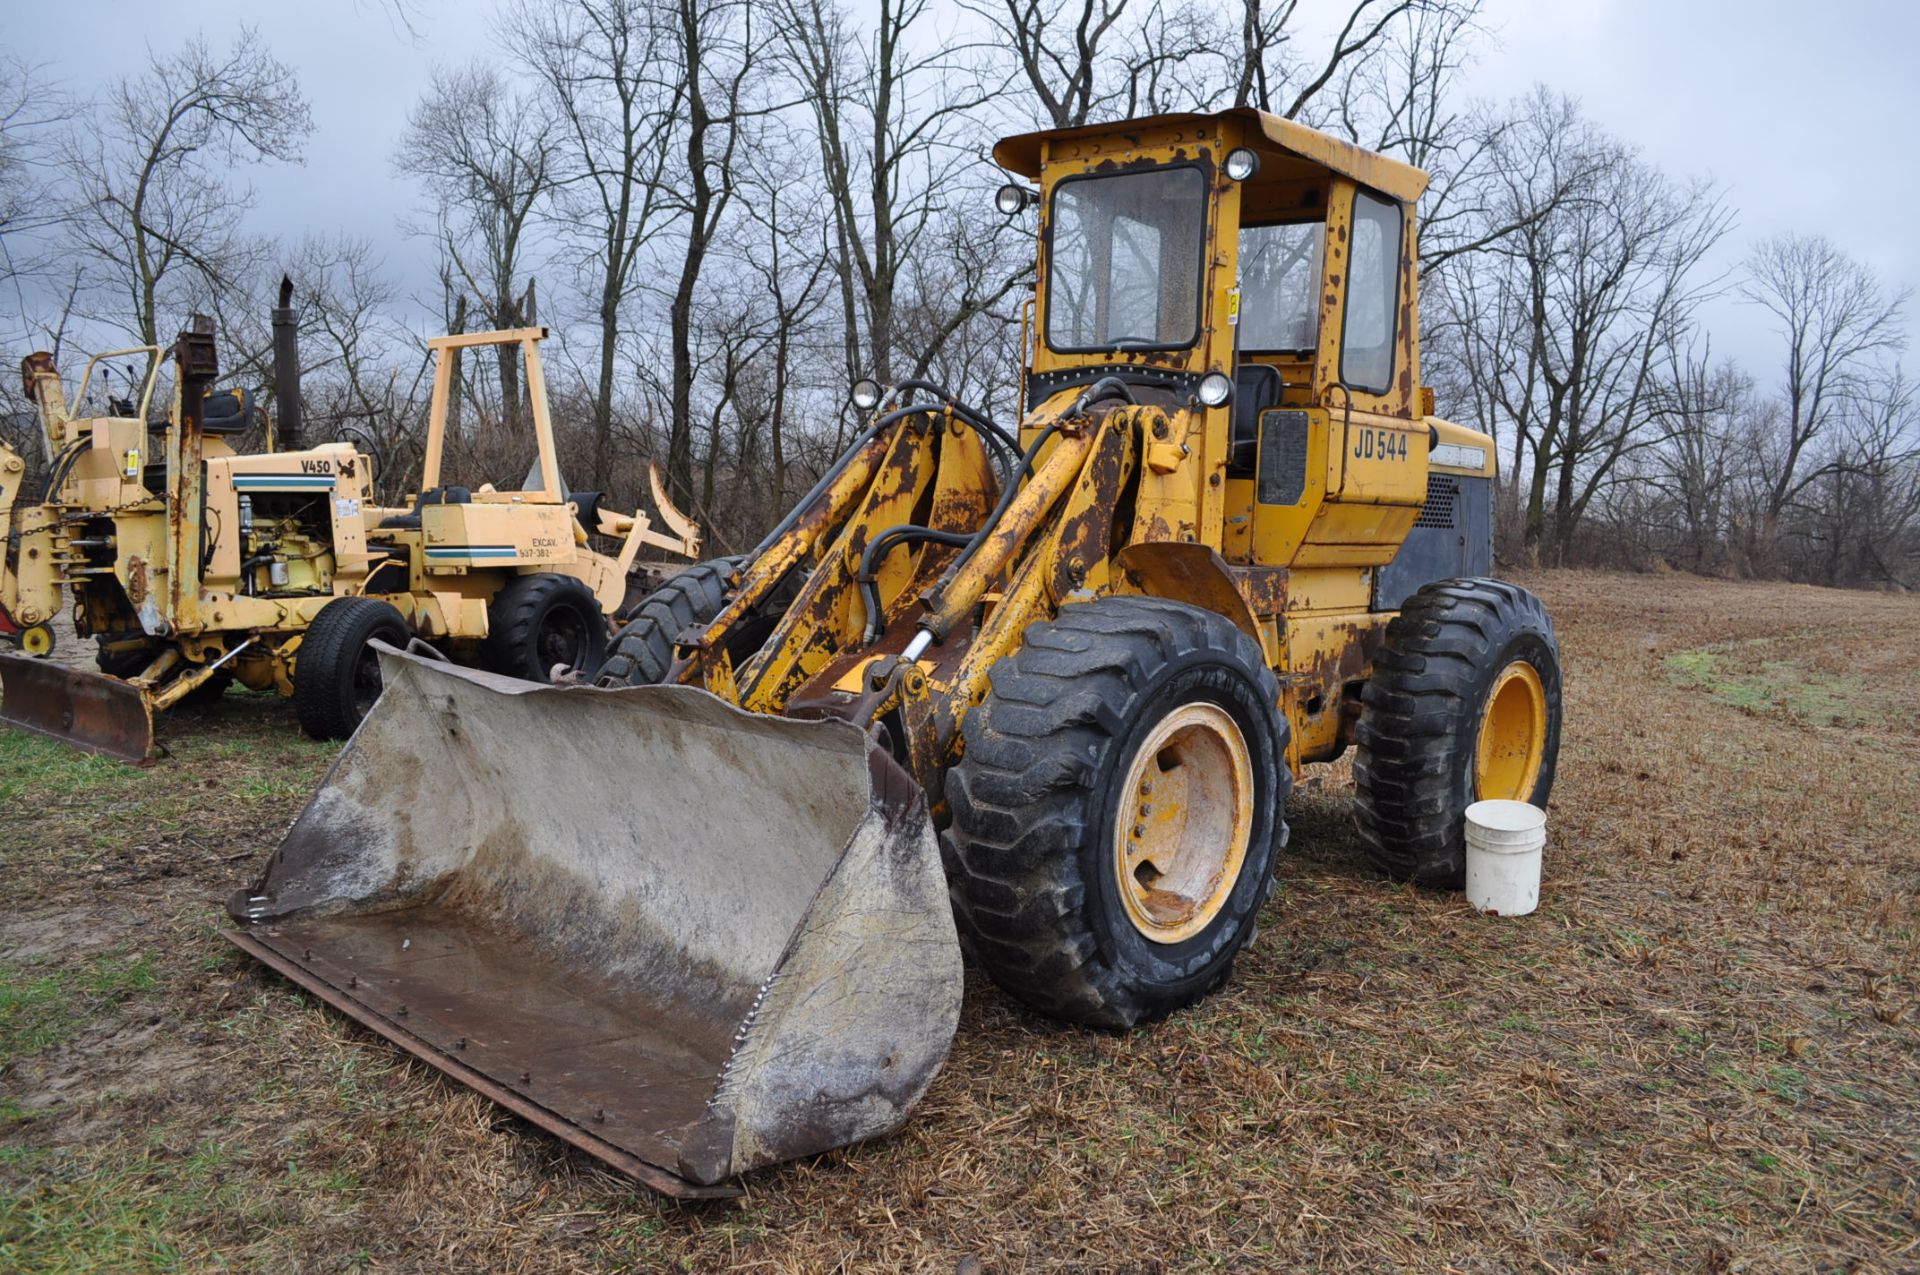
(687, 939)
(92, 711)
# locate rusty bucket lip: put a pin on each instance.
(650, 1175)
(41, 669)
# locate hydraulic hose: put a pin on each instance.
(819, 488)
(970, 542)
(982, 424)
(1102, 388)
(878, 547)
(63, 463)
(1007, 495)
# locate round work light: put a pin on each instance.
(1012, 198)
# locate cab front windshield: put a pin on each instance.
(1124, 268)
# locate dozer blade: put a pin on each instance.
(92, 711)
(687, 939)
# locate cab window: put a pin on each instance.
(1280, 287)
(1373, 277)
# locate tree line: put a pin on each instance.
(727, 210)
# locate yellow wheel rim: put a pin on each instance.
(1185, 815)
(37, 641)
(1513, 735)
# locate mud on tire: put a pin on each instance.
(1031, 858)
(1413, 768)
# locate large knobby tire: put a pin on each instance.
(643, 650)
(1463, 704)
(336, 675)
(538, 621)
(1054, 802)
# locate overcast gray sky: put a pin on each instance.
(1799, 111)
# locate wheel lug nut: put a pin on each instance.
(1139, 831)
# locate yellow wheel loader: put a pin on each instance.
(191, 565)
(1039, 691)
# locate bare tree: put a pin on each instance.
(156, 207)
(487, 155)
(599, 63)
(1834, 318)
(895, 128)
(1565, 320)
(1083, 60)
(792, 267)
(715, 69)
(31, 112)
(1705, 419)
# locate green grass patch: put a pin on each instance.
(40, 1008)
(131, 1216)
(33, 766)
(1727, 672)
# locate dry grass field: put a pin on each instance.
(1702, 1053)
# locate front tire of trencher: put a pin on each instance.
(336, 674)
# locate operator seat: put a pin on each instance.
(431, 496)
(1256, 387)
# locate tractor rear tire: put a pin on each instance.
(1463, 659)
(538, 621)
(336, 675)
(643, 650)
(1053, 796)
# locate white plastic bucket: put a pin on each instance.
(1504, 839)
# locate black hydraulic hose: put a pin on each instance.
(834, 471)
(819, 488)
(1011, 490)
(878, 547)
(63, 462)
(1100, 389)
(969, 542)
(980, 421)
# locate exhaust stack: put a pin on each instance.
(286, 371)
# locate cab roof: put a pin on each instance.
(1022, 153)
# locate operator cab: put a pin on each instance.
(1258, 279)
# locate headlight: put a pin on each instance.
(865, 394)
(1012, 199)
(1242, 163)
(1215, 389)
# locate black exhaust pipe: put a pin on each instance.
(286, 370)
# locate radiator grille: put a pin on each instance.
(1443, 497)
(1283, 458)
